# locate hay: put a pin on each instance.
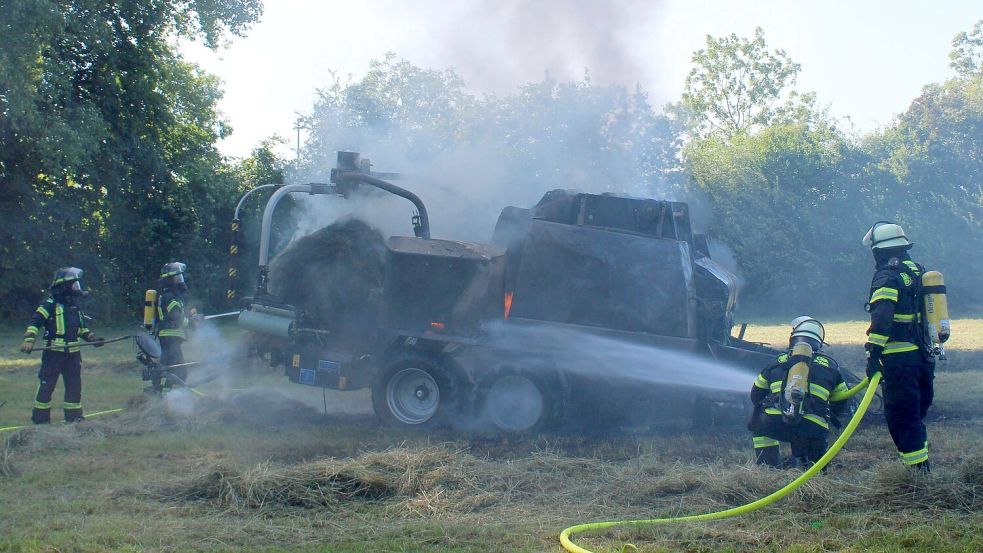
(335, 275)
(414, 477)
(145, 414)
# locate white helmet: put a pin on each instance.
(809, 328)
(885, 234)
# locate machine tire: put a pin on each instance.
(876, 406)
(414, 391)
(518, 402)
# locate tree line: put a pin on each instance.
(108, 157)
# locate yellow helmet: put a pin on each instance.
(885, 234)
(810, 329)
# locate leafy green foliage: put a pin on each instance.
(793, 198)
(736, 83)
(966, 56)
(106, 133)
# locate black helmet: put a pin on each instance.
(67, 281)
(172, 276)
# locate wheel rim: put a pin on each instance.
(412, 396)
(514, 403)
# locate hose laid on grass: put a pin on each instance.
(89, 416)
(754, 505)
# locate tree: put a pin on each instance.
(935, 155)
(106, 133)
(736, 84)
(966, 56)
(788, 201)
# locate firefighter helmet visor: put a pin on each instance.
(66, 274)
(171, 269)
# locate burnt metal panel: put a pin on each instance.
(656, 218)
(443, 286)
(589, 276)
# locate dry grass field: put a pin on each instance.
(255, 464)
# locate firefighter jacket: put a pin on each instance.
(63, 324)
(895, 313)
(826, 387)
(171, 322)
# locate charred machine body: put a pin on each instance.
(511, 335)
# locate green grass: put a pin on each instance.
(256, 466)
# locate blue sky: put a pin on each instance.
(866, 60)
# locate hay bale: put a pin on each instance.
(335, 276)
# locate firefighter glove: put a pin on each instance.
(27, 346)
(873, 359)
(97, 341)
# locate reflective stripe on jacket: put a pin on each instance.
(825, 388)
(64, 325)
(171, 321)
(895, 313)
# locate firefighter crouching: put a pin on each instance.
(61, 318)
(795, 399)
(895, 342)
(172, 323)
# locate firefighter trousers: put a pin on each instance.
(69, 367)
(808, 441)
(908, 391)
(172, 354)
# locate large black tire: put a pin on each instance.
(415, 391)
(519, 402)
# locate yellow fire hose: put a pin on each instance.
(88, 416)
(754, 505)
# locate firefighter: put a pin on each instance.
(61, 318)
(803, 372)
(172, 323)
(895, 339)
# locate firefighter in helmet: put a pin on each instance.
(60, 317)
(795, 399)
(894, 342)
(173, 323)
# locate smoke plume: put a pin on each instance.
(521, 40)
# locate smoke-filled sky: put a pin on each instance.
(868, 60)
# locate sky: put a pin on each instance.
(866, 60)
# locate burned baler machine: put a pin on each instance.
(621, 267)
(616, 262)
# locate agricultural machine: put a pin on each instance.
(487, 335)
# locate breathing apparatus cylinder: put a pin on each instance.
(796, 383)
(937, 324)
(149, 309)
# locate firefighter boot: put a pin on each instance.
(923, 468)
(74, 415)
(767, 456)
(41, 416)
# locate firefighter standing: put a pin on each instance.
(795, 399)
(895, 340)
(60, 315)
(172, 323)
